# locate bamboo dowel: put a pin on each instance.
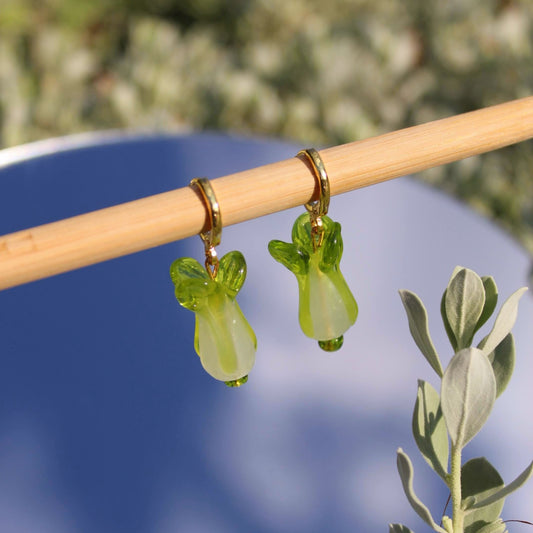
(68, 244)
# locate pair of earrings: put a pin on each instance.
(223, 338)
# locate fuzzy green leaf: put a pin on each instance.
(418, 326)
(494, 527)
(491, 299)
(468, 392)
(504, 491)
(398, 528)
(429, 428)
(447, 327)
(504, 321)
(447, 523)
(479, 479)
(405, 469)
(502, 360)
(465, 299)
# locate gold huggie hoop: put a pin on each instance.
(212, 236)
(318, 208)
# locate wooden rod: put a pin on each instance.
(123, 229)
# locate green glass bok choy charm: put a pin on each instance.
(223, 338)
(327, 307)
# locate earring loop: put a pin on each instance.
(223, 337)
(327, 307)
(212, 236)
(318, 208)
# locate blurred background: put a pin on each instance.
(314, 72)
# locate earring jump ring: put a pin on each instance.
(317, 208)
(212, 236)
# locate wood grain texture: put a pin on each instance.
(68, 244)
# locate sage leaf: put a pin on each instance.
(468, 392)
(447, 327)
(494, 527)
(506, 490)
(398, 528)
(491, 299)
(504, 321)
(429, 428)
(479, 479)
(405, 469)
(465, 299)
(447, 523)
(418, 326)
(502, 360)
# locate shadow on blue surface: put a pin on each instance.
(108, 422)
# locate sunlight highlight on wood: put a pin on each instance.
(72, 243)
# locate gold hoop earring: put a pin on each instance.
(318, 208)
(223, 338)
(213, 235)
(327, 308)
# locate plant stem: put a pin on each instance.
(455, 489)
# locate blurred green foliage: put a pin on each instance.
(320, 73)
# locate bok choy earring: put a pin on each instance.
(327, 307)
(223, 338)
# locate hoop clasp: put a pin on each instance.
(318, 208)
(212, 236)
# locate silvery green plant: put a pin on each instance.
(443, 424)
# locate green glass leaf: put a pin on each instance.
(187, 268)
(429, 428)
(503, 492)
(479, 479)
(494, 527)
(465, 299)
(502, 360)
(193, 293)
(301, 233)
(468, 393)
(398, 528)
(331, 249)
(491, 299)
(405, 469)
(447, 327)
(418, 326)
(232, 272)
(289, 256)
(504, 321)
